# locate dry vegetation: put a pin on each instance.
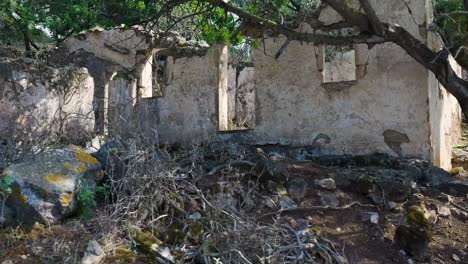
(226, 203)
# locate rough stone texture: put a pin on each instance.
(231, 92)
(293, 107)
(101, 71)
(329, 16)
(223, 93)
(116, 45)
(391, 93)
(38, 102)
(460, 158)
(445, 113)
(127, 51)
(245, 98)
(45, 189)
(122, 99)
(188, 110)
(341, 68)
(94, 253)
(241, 96)
(393, 106)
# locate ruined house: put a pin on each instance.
(369, 98)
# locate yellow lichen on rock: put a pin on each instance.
(68, 166)
(75, 147)
(83, 156)
(86, 158)
(66, 198)
(55, 177)
(79, 169)
(24, 198)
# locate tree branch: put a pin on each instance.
(374, 20)
(350, 15)
(377, 32)
(437, 62)
(265, 25)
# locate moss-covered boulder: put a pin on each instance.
(45, 189)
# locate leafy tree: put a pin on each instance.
(232, 21)
(20, 17)
(452, 22)
(271, 16)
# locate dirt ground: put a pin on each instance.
(343, 221)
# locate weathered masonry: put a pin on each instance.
(337, 100)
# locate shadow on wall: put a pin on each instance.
(42, 105)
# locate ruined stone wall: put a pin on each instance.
(116, 45)
(384, 110)
(373, 98)
(187, 111)
(445, 113)
(122, 90)
(42, 104)
(124, 51)
(241, 96)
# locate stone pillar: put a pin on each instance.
(144, 72)
(223, 121)
(101, 83)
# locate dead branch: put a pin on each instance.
(318, 207)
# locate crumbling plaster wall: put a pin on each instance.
(122, 91)
(116, 45)
(241, 96)
(445, 112)
(127, 51)
(105, 52)
(187, 112)
(40, 104)
(293, 107)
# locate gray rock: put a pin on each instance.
(391, 205)
(195, 216)
(95, 144)
(94, 253)
(3, 162)
(458, 188)
(442, 180)
(166, 254)
(436, 176)
(287, 203)
(8, 218)
(329, 199)
(371, 217)
(376, 198)
(275, 187)
(444, 211)
(327, 183)
(460, 158)
(106, 153)
(45, 189)
(108, 156)
(296, 189)
(269, 202)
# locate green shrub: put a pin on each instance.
(87, 202)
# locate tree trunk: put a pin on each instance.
(27, 44)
